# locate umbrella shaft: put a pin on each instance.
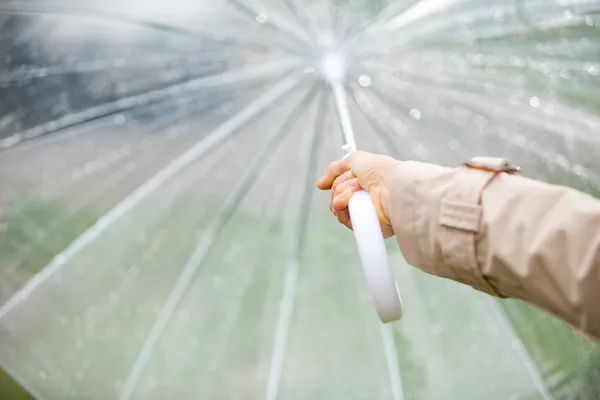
(341, 102)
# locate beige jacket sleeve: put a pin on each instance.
(503, 234)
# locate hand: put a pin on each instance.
(358, 171)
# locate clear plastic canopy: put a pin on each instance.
(160, 233)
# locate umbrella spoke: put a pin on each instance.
(252, 74)
(118, 175)
(290, 282)
(275, 21)
(435, 130)
(20, 8)
(381, 117)
(302, 17)
(429, 80)
(526, 358)
(213, 230)
(36, 72)
(388, 143)
(222, 133)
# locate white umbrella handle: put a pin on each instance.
(374, 257)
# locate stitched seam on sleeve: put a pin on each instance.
(416, 214)
(478, 257)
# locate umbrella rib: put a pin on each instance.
(277, 22)
(301, 16)
(35, 72)
(102, 120)
(526, 358)
(407, 140)
(272, 69)
(290, 281)
(206, 144)
(206, 244)
(434, 130)
(391, 358)
(451, 84)
(384, 137)
(419, 78)
(115, 178)
(380, 20)
(18, 8)
(544, 154)
(416, 12)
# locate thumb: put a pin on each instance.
(353, 161)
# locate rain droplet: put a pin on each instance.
(261, 18)
(42, 375)
(579, 170)
(568, 14)
(364, 81)
(415, 113)
(534, 102)
(516, 344)
(594, 70)
(119, 120)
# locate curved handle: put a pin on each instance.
(374, 257)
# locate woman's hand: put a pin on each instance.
(357, 171)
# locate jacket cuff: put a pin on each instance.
(414, 213)
(436, 216)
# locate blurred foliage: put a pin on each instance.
(10, 390)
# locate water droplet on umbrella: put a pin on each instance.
(415, 113)
(261, 18)
(364, 81)
(534, 102)
(119, 120)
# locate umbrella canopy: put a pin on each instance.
(160, 232)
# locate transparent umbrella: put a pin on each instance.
(160, 233)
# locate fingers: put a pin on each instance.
(339, 206)
(345, 177)
(352, 162)
(339, 202)
(334, 170)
